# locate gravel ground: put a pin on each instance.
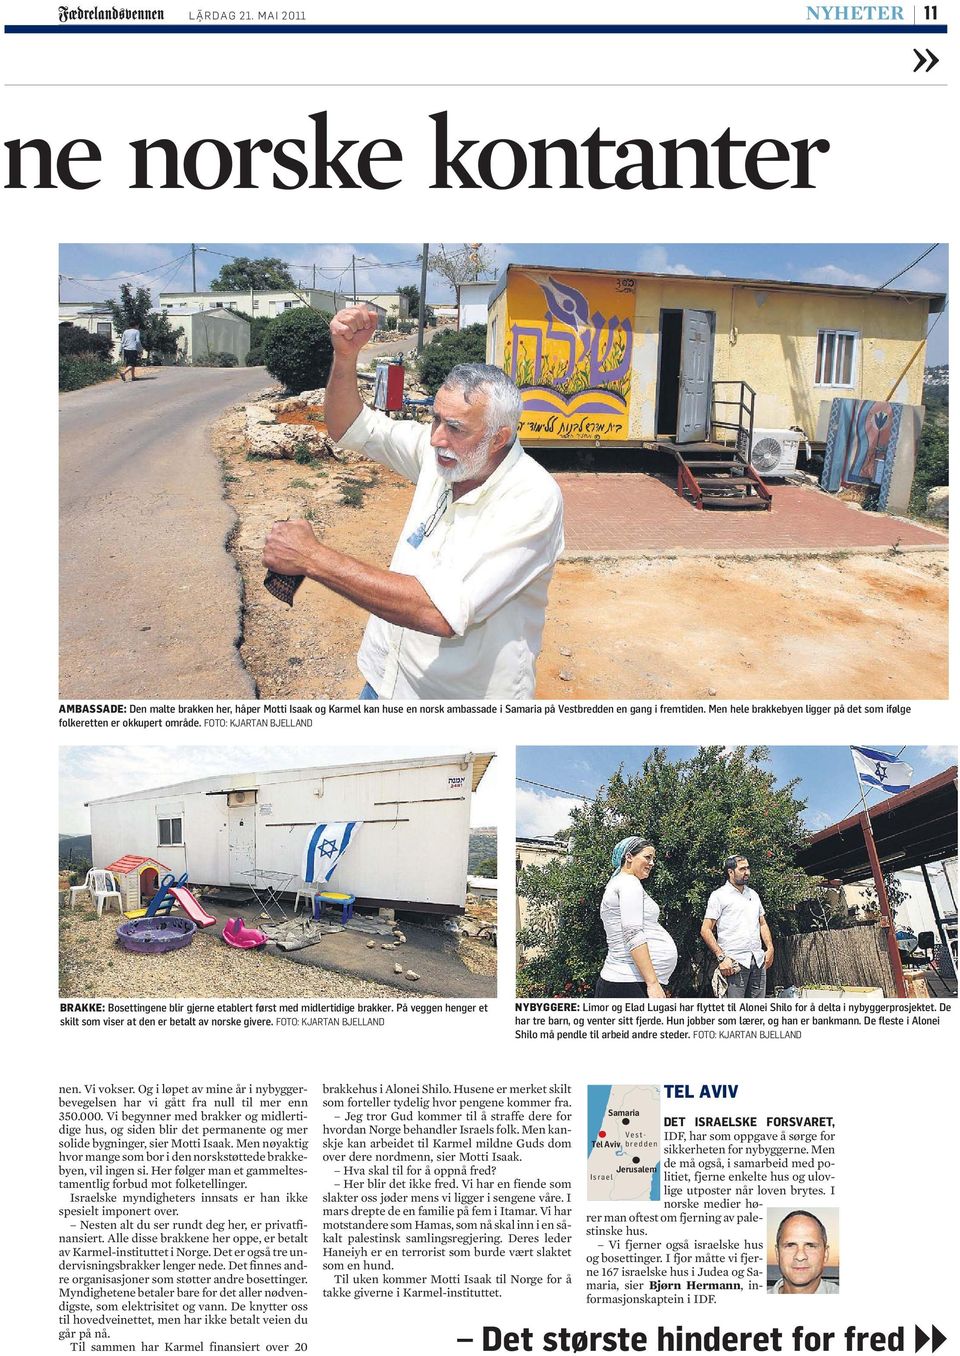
(480, 958)
(92, 965)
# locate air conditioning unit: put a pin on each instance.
(241, 798)
(774, 451)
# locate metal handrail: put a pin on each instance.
(744, 403)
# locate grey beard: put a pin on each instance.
(469, 466)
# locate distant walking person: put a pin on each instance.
(736, 931)
(132, 346)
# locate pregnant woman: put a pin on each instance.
(641, 955)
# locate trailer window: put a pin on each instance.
(836, 357)
(170, 832)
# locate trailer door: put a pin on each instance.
(242, 830)
(696, 376)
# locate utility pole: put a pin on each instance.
(314, 277)
(422, 319)
(193, 261)
(353, 262)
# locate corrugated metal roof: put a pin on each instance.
(919, 825)
(481, 761)
(221, 781)
(936, 299)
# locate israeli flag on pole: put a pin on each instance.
(882, 770)
(326, 844)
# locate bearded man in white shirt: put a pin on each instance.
(735, 930)
(460, 612)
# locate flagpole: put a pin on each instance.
(860, 784)
(886, 914)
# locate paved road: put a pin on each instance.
(149, 597)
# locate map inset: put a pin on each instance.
(623, 1142)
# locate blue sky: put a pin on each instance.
(827, 780)
(93, 272)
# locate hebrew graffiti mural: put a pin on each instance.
(570, 353)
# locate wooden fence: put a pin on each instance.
(856, 955)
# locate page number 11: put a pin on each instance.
(930, 12)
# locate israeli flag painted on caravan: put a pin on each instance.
(882, 770)
(326, 844)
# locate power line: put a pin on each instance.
(127, 273)
(330, 269)
(559, 789)
(907, 269)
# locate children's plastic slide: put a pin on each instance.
(173, 892)
(192, 906)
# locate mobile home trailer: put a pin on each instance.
(633, 359)
(410, 851)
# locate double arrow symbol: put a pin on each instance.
(936, 1338)
(922, 61)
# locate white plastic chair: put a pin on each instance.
(83, 889)
(102, 887)
(305, 891)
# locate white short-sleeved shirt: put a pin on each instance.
(486, 564)
(631, 917)
(738, 914)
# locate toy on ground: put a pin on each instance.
(138, 879)
(336, 899)
(151, 936)
(172, 892)
(236, 933)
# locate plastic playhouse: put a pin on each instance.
(139, 880)
(149, 888)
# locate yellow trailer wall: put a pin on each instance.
(584, 348)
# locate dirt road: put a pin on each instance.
(797, 627)
(149, 596)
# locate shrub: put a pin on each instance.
(217, 360)
(390, 323)
(353, 490)
(297, 349)
(305, 454)
(932, 460)
(446, 350)
(255, 357)
(83, 371)
(74, 340)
